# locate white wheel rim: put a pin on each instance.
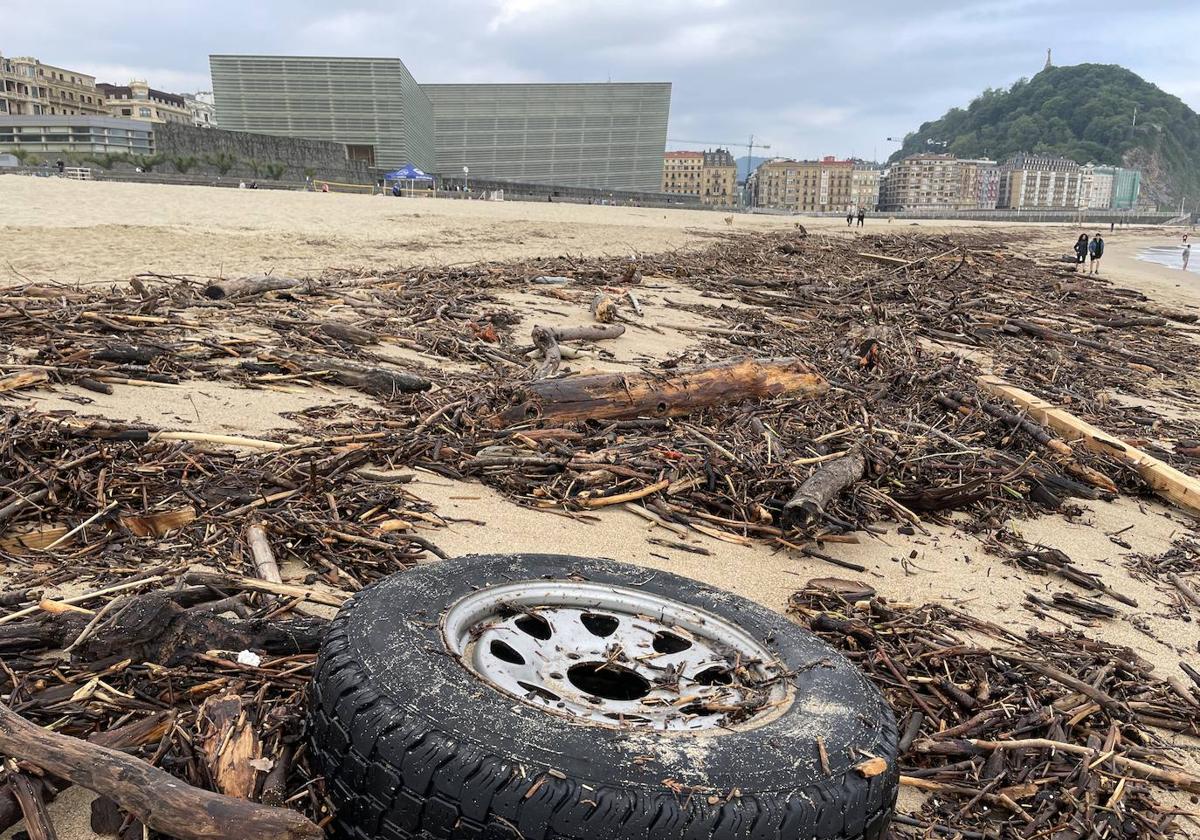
(614, 656)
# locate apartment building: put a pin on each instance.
(979, 184)
(683, 173)
(202, 108)
(804, 186)
(836, 189)
(1036, 182)
(718, 177)
(918, 182)
(864, 186)
(30, 88)
(138, 101)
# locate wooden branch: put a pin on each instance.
(1175, 778)
(264, 558)
(317, 596)
(141, 731)
(22, 501)
(161, 801)
(621, 498)
(247, 286)
(546, 339)
(615, 396)
(823, 486)
(1177, 487)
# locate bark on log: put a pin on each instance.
(142, 731)
(24, 379)
(158, 799)
(372, 380)
(617, 396)
(28, 792)
(230, 744)
(153, 628)
(823, 486)
(348, 333)
(247, 286)
(20, 503)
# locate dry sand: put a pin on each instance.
(72, 231)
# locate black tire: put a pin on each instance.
(413, 745)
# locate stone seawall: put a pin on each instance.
(320, 159)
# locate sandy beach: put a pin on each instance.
(58, 231)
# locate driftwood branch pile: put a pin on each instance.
(834, 390)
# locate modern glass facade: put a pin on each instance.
(600, 135)
(79, 133)
(372, 105)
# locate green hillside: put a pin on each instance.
(1086, 113)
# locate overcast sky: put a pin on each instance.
(810, 78)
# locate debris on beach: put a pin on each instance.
(165, 588)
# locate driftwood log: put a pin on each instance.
(546, 339)
(372, 380)
(618, 395)
(822, 487)
(158, 799)
(141, 731)
(154, 628)
(348, 333)
(248, 286)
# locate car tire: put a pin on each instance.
(413, 743)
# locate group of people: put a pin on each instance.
(862, 215)
(1085, 249)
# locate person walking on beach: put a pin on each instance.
(862, 214)
(1187, 254)
(1081, 252)
(1112, 225)
(849, 216)
(1096, 249)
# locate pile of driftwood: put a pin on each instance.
(1041, 735)
(844, 386)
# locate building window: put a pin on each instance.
(144, 112)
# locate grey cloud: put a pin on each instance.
(811, 77)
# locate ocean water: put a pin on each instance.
(1171, 256)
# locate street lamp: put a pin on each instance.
(466, 171)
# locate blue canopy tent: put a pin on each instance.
(408, 173)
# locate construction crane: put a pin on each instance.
(748, 146)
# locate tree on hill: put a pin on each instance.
(1098, 113)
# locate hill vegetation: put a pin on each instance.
(1085, 112)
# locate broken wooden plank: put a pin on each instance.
(1180, 489)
